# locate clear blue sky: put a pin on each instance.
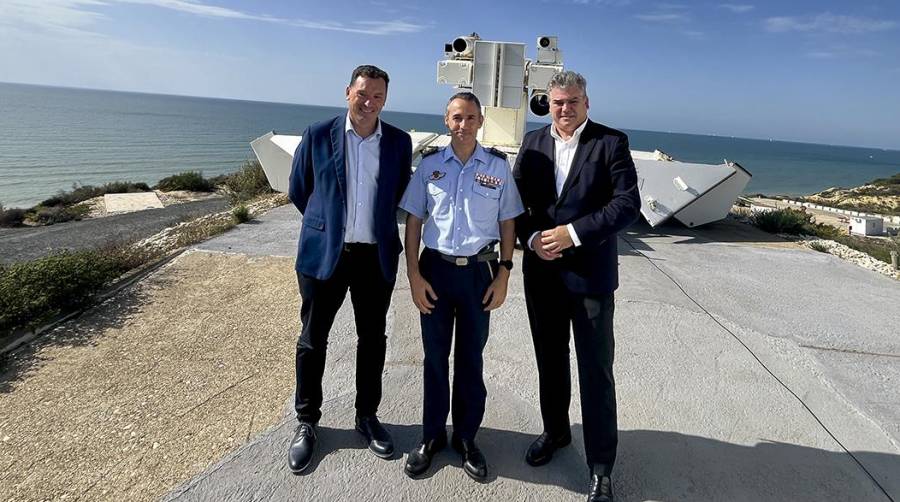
(816, 71)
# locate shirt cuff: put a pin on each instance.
(531, 240)
(573, 235)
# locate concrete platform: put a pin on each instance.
(746, 370)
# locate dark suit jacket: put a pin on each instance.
(318, 187)
(599, 198)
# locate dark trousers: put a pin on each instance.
(552, 308)
(359, 271)
(459, 290)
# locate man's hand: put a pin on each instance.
(496, 292)
(538, 248)
(556, 239)
(422, 293)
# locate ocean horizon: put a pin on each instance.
(52, 138)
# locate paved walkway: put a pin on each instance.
(746, 370)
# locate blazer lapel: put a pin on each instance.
(585, 146)
(386, 171)
(339, 156)
(548, 146)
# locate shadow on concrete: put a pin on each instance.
(727, 230)
(652, 465)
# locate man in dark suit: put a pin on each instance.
(347, 178)
(579, 187)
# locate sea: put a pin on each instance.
(52, 139)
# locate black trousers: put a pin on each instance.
(552, 308)
(459, 290)
(358, 271)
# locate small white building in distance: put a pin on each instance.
(866, 225)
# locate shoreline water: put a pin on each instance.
(53, 137)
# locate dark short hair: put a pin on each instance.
(369, 71)
(465, 96)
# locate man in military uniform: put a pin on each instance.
(465, 198)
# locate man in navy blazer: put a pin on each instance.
(579, 186)
(347, 177)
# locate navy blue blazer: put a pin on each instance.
(318, 187)
(599, 198)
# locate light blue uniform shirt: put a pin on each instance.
(462, 205)
(363, 157)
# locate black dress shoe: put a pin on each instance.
(541, 450)
(419, 460)
(601, 489)
(302, 447)
(380, 442)
(473, 461)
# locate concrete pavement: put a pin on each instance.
(746, 370)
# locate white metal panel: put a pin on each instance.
(484, 84)
(715, 203)
(661, 197)
(275, 154)
(511, 84)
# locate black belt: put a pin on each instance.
(350, 247)
(462, 261)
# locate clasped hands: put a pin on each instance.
(552, 242)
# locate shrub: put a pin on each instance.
(81, 193)
(246, 183)
(241, 214)
(782, 221)
(36, 290)
(818, 246)
(192, 181)
(12, 217)
(48, 215)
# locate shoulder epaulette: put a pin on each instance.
(498, 153)
(429, 151)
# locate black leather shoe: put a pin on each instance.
(541, 450)
(601, 489)
(302, 447)
(473, 461)
(419, 460)
(380, 442)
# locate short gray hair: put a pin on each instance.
(568, 79)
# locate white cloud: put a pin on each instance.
(737, 8)
(828, 23)
(838, 52)
(78, 15)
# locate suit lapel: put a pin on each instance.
(386, 166)
(339, 155)
(548, 146)
(585, 146)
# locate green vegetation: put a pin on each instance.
(241, 214)
(48, 215)
(11, 217)
(192, 181)
(782, 221)
(794, 222)
(81, 193)
(818, 246)
(246, 183)
(35, 291)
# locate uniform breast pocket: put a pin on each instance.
(485, 203)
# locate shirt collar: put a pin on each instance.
(574, 137)
(348, 127)
(479, 154)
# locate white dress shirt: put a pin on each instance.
(562, 164)
(363, 160)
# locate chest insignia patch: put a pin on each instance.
(488, 181)
(436, 175)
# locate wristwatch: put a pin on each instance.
(506, 263)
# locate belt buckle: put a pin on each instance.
(462, 261)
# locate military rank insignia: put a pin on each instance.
(488, 181)
(436, 175)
